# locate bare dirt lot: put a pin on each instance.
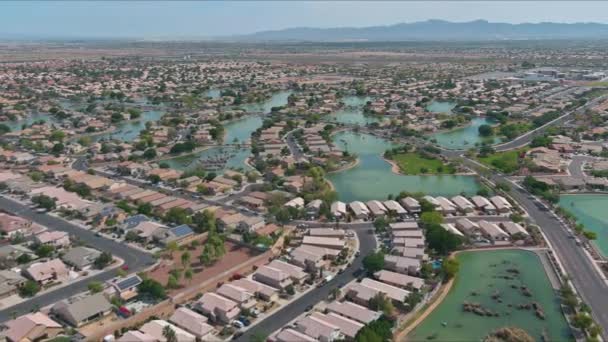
(235, 255)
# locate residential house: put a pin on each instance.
(353, 311)
(156, 327)
(55, 238)
(79, 311)
(193, 323)
(399, 280)
(82, 258)
(401, 264)
(47, 272)
(10, 282)
(31, 327)
(218, 308)
(272, 277)
(411, 204)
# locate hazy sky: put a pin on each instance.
(173, 19)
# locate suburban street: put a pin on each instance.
(367, 243)
(134, 259)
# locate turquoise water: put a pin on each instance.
(17, 125)
(484, 273)
(441, 106)
(213, 93)
(128, 131)
(240, 130)
(465, 137)
(372, 178)
(276, 100)
(592, 211)
(352, 112)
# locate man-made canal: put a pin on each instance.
(372, 178)
(499, 273)
(276, 100)
(129, 130)
(591, 211)
(465, 137)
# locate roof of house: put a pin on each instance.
(83, 308)
(136, 336)
(19, 328)
(292, 270)
(81, 256)
(155, 328)
(291, 335)
(191, 321)
(210, 301)
(353, 311)
(324, 241)
(255, 287)
(45, 270)
(127, 282)
(392, 292)
(235, 293)
(316, 328)
(347, 326)
(398, 279)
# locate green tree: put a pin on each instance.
(188, 274)
(431, 218)
(172, 282)
(44, 251)
(95, 287)
(449, 268)
(103, 260)
(485, 130)
(152, 288)
(29, 289)
(374, 262)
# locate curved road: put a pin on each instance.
(284, 315)
(135, 259)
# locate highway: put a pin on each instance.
(587, 281)
(284, 315)
(135, 259)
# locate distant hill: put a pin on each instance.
(436, 30)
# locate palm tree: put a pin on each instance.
(169, 334)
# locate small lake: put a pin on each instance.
(236, 131)
(17, 125)
(372, 178)
(352, 112)
(129, 130)
(590, 210)
(465, 137)
(441, 106)
(276, 100)
(483, 274)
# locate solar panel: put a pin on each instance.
(129, 282)
(181, 231)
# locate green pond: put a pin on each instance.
(481, 275)
(372, 178)
(590, 210)
(465, 137)
(441, 106)
(352, 112)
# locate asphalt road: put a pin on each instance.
(367, 243)
(293, 146)
(576, 166)
(589, 284)
(136, 260)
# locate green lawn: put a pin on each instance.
(413, 164)
(506, 162)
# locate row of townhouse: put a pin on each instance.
(462, 205)
(482, 229)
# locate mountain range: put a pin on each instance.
(436, 30)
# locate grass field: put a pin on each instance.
(414, 164)
(506, 162)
